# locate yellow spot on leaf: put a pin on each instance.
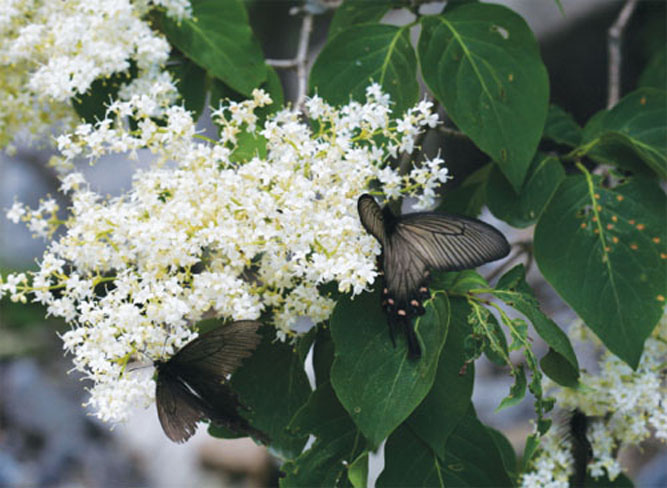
(583, 225)
(614, 240)
(597, 196)
(640, 226)
(660, 298)
(510, 77)
(619, 198)
(610, 226)
(642, 100)
(633, 246)
(632, 221)
(614, 218)
(656, 240)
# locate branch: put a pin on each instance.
(452, 132)
(614, 44)
(300, 62)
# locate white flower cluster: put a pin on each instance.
(51, 51)
(624, 407)
(207, 230)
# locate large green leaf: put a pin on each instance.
(409, 461)
(522, 210)
(376, 382)
(365, 52)
(632, 134)
(273, 384)
(603, 250)
(475, 456)
(337, 441)
(353, 12)
(190, 81)
(472, 458)
(482, 62)
(469, 197)
(92, 105)
(447, 402)
(655, 74)
(218, 38)
(561, 127)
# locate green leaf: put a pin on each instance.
(529, 451)
(506, 451)
(655, 73)
(376, 382)
(381, 53)
(603, 250)
(190, 81)
(515, 292)
(556, 367)
(482, 62)
(353, 12)
(218, 38)
(457, 282)
(447, 402)
(468, 198)
(323, 355)
(357, 472)
(632, 134)
(472, 457)
(273, 384)
(522, 210)
(92, 105)
(409, 461)
(561, 127)
(338, 440)
(517, 390)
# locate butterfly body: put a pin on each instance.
(193, 385)
(415, 244)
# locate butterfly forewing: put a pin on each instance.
(370, 214)
(220, 351)
(450, 243)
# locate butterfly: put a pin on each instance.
(416, 243)
(193, 385)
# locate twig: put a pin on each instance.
(300, 62)
(452, 132)
(524, 247)
(301, 58)
(614, 44)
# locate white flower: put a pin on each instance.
(209, 234)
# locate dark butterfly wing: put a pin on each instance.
(218, 352)
(177, 408)
(449, 242)
(370, 214)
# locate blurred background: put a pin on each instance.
(47, 438)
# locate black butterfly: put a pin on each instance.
(193, 384)
(415, 243)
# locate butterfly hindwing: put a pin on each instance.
(178, 409)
